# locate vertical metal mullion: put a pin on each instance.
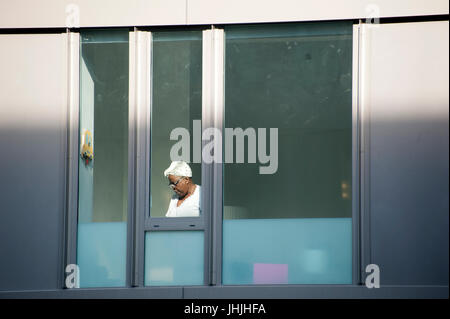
(207, 182)
(145, 93)
(356, 256)
(72, 149)
(212, 110)
(142, 110)
(364, 108)
(219, 81)
(138, 101)
(148, 131)
(131, 204)
(134, 151)
(65, 129)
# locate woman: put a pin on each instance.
(186, 200)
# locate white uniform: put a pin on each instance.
(190, 207)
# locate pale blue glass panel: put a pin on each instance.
(101, 254)
(287, 251)
(174, 258)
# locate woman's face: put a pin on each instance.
(180, 185)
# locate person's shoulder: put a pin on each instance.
(198, 190)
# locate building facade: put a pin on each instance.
(318, 133)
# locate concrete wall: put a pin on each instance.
(33, 105)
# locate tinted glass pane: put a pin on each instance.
(297, 79)
(287, 251)
(176, 103)
(103, 158)
(174, 258)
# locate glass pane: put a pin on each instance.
(292, 222)
(174, 258)
(287, 251)
(176, 106)
(103, 158)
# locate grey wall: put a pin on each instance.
(32, 142)
(85, 13)
(406, 98)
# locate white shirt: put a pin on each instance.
(190, 207)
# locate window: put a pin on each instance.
(276, 210)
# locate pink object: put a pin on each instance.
(270, 273)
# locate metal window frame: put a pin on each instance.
(214, 81)
(364, 143)
(71, 215)
(140, 98)
(357, 174)
(144, 222)
(360, 226)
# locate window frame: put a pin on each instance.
(73, 142)
(141, 62)
(360, 166)
(139, 220)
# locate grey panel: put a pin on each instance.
(32, 162)
(406, 75)
(110, 293)
(315, 292)
(409, 202)
(263, 292)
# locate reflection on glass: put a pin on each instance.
(174, 258)
(103, 158)
(296, 78)
(176, 103)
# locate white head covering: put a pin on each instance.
(178, 168)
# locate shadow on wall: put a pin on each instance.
(409, 207)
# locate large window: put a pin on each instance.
(291, 224)
(276, 210)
